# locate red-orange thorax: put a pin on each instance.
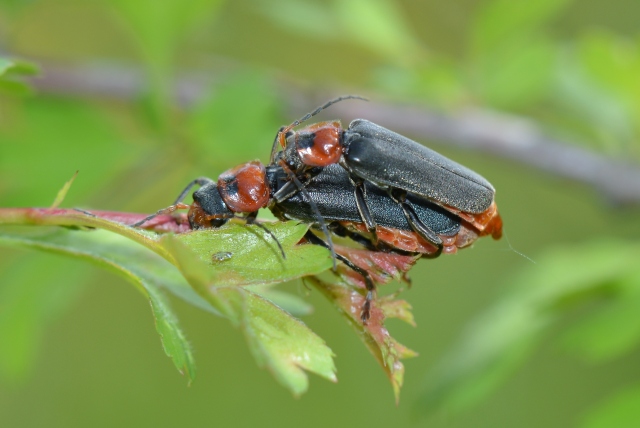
(325, 147)
(244, 188)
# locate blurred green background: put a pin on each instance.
(143, 96)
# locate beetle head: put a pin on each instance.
(208, 208)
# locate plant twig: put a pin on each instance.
(488, 131)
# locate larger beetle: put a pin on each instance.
(401, 166)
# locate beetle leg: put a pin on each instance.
(314, 207)
(363, 207)
(288, 190)
(368, 281)
(251, 219)
(342, 231)
(414, 221)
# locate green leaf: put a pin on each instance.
(288, 302)
(63, 192)
(612, 330)
(255, 257)
(284, 344)
(517, 73)
(600, 110)
(144, 269)
(223, 116)
(381, 28)
(620, 411)
(277, 340)
(159, 27)
(612, 61)
(501, 20)
(11, 73)
(11, 67)
(497, 342)
(30, 300)
(293, 15)
(612, 64)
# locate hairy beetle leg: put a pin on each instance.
(399, 196)
(363, 208)
(368, 281)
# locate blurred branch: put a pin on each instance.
(515, 138)
(488, 131)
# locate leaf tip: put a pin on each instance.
(62, 193)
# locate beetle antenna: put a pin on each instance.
(283, 131)
(177, 204)
(276, 143)
(168, 210)
(322, 107)
(315, 209)
(252, 220)
(516, 251)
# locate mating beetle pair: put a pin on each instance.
(377, 187)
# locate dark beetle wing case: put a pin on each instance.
(387, 159)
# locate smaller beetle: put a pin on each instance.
(327, 199)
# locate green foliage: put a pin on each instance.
(597, 85)
(604, 273)
(611, 331)
(380, 27)
(11, 74)
(516, 73)
(158, 29)
(621, 410)
(500, 21)
(255, 258)
(63, 192)
(276, 339)
(235, 122)
(149, 273)
(29, 305)
(69, 129)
